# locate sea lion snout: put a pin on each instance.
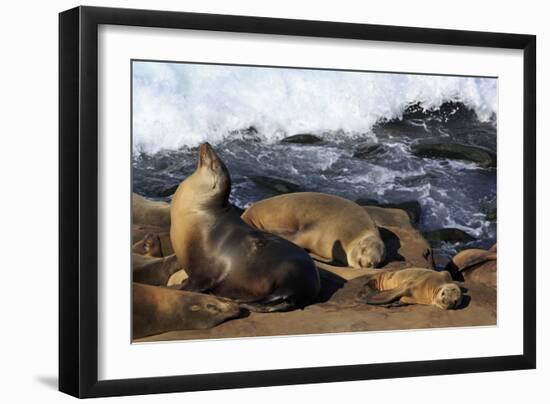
(152, 245)
(207, 156)
(368, 253)
(203, 150)
(449, 297)
(216, 308)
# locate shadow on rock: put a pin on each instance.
(330, 284)
(392, 244)
(466, 299)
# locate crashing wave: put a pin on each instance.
(177, 104)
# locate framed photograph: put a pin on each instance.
(250, 201)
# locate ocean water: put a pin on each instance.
(245, 112)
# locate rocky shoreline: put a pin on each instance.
(337, 309)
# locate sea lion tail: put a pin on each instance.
(275, 302)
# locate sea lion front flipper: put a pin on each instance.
(397, 303)
(192, 284)
(386, 296)
(367, 290)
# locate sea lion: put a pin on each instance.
(147, 212)
(475, 265)
(154, 245)
(139, 231)
(412, 286)
(333, 228)
(224, 256)
(154, 271)
(157, 309)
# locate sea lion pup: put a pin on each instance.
(154, 271)
(412, 286)
(333, 228)
(157, 309)
(224, 256)
(154, 245)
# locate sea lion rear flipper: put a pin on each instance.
(277, 301)
(386, 296)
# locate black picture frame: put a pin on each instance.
(78, 200)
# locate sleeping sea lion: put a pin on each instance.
(157, 309)
(224, 256)
(333, 228)
(412, 286)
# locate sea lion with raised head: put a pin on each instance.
(412, 286)
(333, 228)
(226, 257)
(157, 309)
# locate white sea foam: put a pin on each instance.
(177, 105)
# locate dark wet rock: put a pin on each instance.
(302, 138)
(250, 134)
(367, 202)
(163, 193)
(413, 208)
(277, 185)
(491, 215)
(456, 151)
(369, 151)
(489, 208)
(447, 112)
(400, 128)
(441, 259)
(240, 211)
(448, 235)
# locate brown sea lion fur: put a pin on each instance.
(475, 265)
(331, 227)
(154, 271)
(412, 286)
(154, 245)
(148, 212)
(157, 309)
(226, 257)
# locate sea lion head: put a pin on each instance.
(216, 309)
(152, 245)
(210, 184)
(368, 252)
(448, 296)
